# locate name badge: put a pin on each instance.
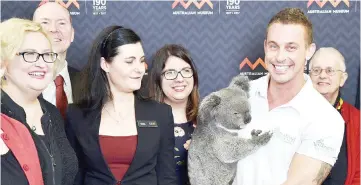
(147, 123)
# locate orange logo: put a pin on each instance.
(334, 3)
(76, 4)
(252, 66)
(199, 5)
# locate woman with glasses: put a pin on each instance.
(173, 80)
(328, 74)
(34, 147)
(119, 137)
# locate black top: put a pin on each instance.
(182, 133)
(153, 162)
(45, 159)
(338, 172)
(55, 144)
(11, 171)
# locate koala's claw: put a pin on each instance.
(263, 138)
(256, 132)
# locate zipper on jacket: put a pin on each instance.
(53, 164)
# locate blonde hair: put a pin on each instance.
(12, 33)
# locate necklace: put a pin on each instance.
(116, 120)
(33, 128)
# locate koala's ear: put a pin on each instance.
(240, 81)
(213, 101)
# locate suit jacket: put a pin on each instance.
(74, 75)
(153, 163)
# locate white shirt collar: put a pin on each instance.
(261, 90)
(64, 72)
(297, 102)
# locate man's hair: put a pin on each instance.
(70, 19)
(293, 16)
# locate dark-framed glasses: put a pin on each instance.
(31, 57)
(173, 74)
(329, 71)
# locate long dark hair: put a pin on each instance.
(155, 77)
(93, 89)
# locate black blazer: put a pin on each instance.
(74, 75)
(153, 163)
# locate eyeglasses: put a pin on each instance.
(329, 71)
(173, 74)
(31, 57)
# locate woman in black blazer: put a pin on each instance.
(119, 137)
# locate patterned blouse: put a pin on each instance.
(182, 133)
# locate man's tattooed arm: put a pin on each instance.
(322, 173)
(306, 170)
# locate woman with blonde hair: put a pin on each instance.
(35, 149)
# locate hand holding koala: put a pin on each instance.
(216, 147)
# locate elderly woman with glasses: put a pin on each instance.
(173, 80)
(34, 146)
(328, 75)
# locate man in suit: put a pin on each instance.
(56, 20)
(328, 74)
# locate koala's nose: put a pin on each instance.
(247, 118)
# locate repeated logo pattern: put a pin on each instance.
(199, 5)
(253, 66)
(62, 3)
(334, 3)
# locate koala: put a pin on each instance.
(215, 150)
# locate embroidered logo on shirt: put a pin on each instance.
(320, 146)
(284, 136)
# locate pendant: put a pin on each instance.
(33, 128)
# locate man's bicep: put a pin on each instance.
(306, 170)
(320, 143)
(316, 155)
(322, 173)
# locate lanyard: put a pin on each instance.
(339, 105)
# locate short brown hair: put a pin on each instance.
(293, 16)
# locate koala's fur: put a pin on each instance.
(214, 150)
